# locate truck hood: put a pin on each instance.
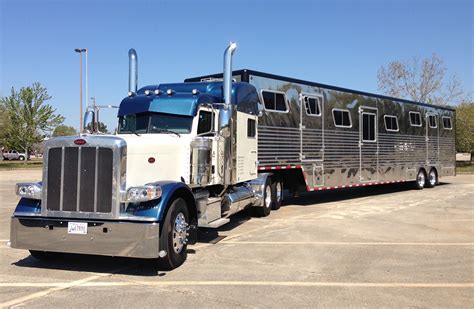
(156, 157)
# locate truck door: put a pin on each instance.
(312, 136)
(368, 144)
(432, 139)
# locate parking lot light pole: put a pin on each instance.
(80, 51)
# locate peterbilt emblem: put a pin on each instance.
(80, 141)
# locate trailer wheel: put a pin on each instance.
(277, 187)
(420, 180)
(44, 255)
(432, 178)
(268, 200)
(173, 236)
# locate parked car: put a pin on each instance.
(14, 155)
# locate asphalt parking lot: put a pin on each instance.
(384, 246)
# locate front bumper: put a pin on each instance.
(128, 239)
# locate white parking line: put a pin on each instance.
(55, 287)
(337, 243)
(87, 283)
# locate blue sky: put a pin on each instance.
(338, 42)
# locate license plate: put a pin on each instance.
(77, 228)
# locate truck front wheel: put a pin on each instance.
(173, 236)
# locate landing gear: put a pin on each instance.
(174, 236)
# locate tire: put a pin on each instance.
(268, 199)
(432, 179)
(277, 188)
(21, 158)
(173, 236)
(420, 180)
(44, 255)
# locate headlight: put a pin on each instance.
(29, 190)
(142, 194)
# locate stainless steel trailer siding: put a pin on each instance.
(331, 156)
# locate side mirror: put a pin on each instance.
(89, 122)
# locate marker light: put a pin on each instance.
(157, 91)
(169, 91)
(195, 91)
(143, 194)
(29, 190)
(147, 92)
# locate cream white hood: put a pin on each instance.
(171, 154)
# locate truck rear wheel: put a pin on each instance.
(268, 199)
(173, 236)
(277, 194)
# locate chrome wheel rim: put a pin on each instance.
(278, 192)
(421, 179)
(268, 197)
(179, 233)
(432, 178)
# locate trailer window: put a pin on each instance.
(368, 127)
(251, 128)
(312, 105)
(415, 119)
(274, 101)
(432, 121)
(205, 122)
(391, 123)
(342, 118)
(447, 123)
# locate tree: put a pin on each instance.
(64, 130)
(29, 118)
(465, 128)
(421, 81)
(102, 127)
(3, 123)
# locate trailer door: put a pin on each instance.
(311, 127)
(432, 139)
(368, 144)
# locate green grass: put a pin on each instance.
(12, 165)
(469, 169)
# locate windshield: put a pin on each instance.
(155, 123)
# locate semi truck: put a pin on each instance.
(191, 154)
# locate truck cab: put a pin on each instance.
(185, 155)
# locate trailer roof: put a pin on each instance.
(246, 72)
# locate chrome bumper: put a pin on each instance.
(126, 239)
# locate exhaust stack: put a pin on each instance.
(132, 72)
(229, 51)
(226, 125)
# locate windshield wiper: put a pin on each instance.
(168, 131)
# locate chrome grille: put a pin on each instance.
(80, 179)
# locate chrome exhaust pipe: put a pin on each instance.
(226, 130)
(132, 72)
(229, 51)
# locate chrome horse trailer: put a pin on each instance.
(318, 137)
